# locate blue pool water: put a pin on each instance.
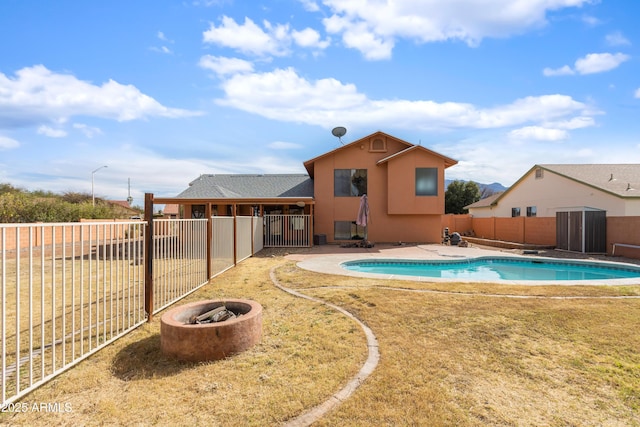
(495, 268)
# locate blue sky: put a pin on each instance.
(162, 91)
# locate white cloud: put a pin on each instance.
(285, 96)
(539, 133)
(51, 132)
(309, 38)
(37, 95)
(373, 26)
(271, 40)
(616, 39)
(592, 63)
(161, 49)
(637, 94)
(163, 37)
(7, 143)
(592, 21)
(249, 37)
(282, 145)
(223, 66)
(310, 5)
(579, 122)
(88, 131)
(599, 62)
(562, 71)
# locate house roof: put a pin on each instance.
(242, 186)
(448, 162)
(486, 202)
(309, 164)
(620, 180)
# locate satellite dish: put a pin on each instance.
(339, 132)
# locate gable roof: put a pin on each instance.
(243, 186)
(448, 162)
(486, 202)
(620, 180)
(310, 163)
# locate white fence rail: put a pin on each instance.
(179, 259)
(69, 289)
(287, 230)
(66, 291)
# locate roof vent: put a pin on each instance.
(611, 178)
(629, 188)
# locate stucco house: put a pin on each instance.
(547, 189)
(404, 184)
(577, 207)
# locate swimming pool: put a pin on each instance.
(497, 268)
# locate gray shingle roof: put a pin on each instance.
(622, 180)
(249, 186)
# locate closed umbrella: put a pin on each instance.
(363, 214)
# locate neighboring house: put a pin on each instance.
(171, 211)
(548, 189)
(585, 208)
(404, 184)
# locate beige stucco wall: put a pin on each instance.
(553, 193)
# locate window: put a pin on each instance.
(347, 230)
(426, 181)
(197, 211)
(538, 173)
(515, 212)
(531, 211)
(349, 182)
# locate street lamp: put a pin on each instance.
(93, 196)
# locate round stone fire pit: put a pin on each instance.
(210, 341)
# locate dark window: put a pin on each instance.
(515, 212)
(347, 230)
(426, 181)
(538, 173)
(197, 211)
(349, 182)
(532, 211)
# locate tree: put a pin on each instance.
(460, 194)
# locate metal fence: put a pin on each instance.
(66, 291)
(287, 230)
(179, 259)
(69, 289)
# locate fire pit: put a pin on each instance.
(183, 339)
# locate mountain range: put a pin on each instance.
(485, 189)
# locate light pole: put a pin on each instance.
(93, 195)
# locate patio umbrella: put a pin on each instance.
(363, 214)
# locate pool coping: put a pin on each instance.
(330, 263)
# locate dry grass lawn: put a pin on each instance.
(451, 354)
